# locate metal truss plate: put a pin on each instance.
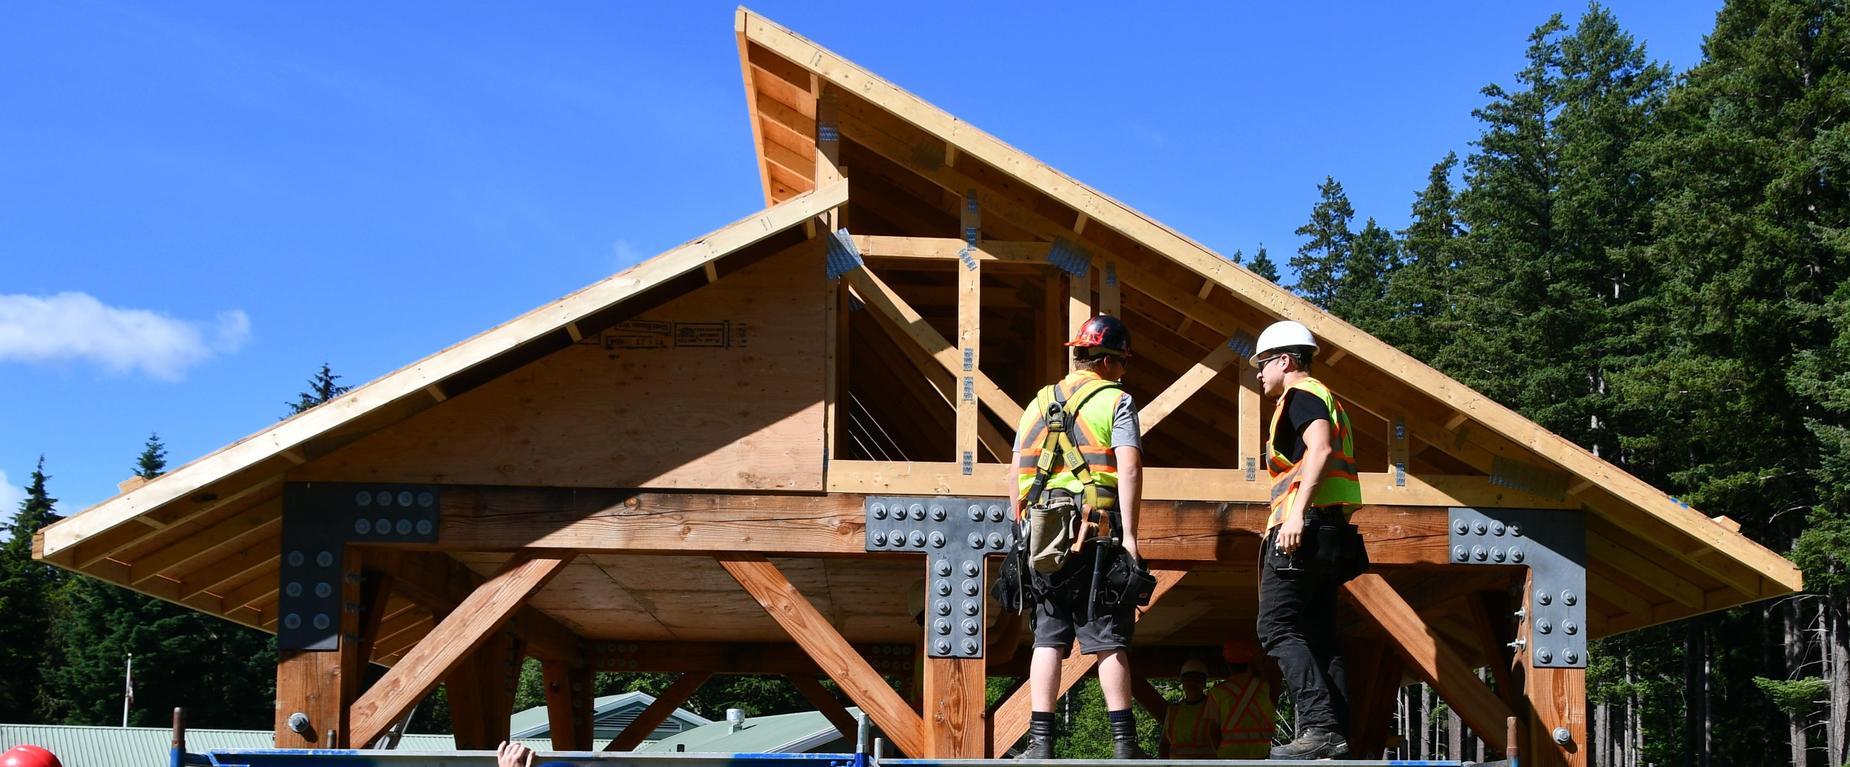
(1553, 545)
(319, 520)
(955, 534)
(843, 256)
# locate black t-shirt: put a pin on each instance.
(1301, 410)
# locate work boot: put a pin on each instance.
(1124, 740)
(1313, 743)
(1040, 741)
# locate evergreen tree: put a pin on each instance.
(25, 586)
(222, 673)
(1419, 292)
(1361, 293)
(1264, 266)
(1320, 260)
(323, 387)
(153, 460)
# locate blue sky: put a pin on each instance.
(201, 202)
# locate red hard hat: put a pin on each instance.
(1103, 334)
(1239, 650)
(27, 755)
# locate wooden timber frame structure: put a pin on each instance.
(670, 469)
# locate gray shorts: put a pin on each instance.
(1058, 615)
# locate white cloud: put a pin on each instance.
(10, 496)
(628, 255)
(76, 326)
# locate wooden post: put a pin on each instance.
(658, 712)
(969, 342)
(1108, 294)
(568, 704)
(955, 719)
(1557, 699)
(1047, 330)
(828, 649)
(320, 684)
(1252, 429)
(1078, 306)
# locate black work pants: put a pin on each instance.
(1297, 627)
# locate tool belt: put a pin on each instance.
(1329, 545)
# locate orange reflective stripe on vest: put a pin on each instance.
(1245, 715)
(1089, 430)
(1189, 728)
(1340, 484)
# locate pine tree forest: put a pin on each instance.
(1652, 264)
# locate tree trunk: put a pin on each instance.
(1696, 693)
(1425, 694)
(1793, 643)
(1454, 736)
(1634, 734)
(1837, 674)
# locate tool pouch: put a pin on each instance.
(1052, 531)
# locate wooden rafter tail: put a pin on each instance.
(830, 651)
(461, 632)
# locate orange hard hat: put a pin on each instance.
(1239, 650)
(27, 755)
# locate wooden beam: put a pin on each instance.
(824, 701)
(1432, 659)
(1184, 387)
(464, 630)
(1251, 436)
(568, 704)
(1108, 296)
(894, 310)
(1010, 718)
(826, 646)
(1150, 698)
(658, 712)
(440, 583)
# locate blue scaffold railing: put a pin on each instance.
(868, 750)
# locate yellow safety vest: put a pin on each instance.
(1090, 433)
(1189, 728)
(1244, 715)
(1339, 485)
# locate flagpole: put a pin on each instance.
(128, 688)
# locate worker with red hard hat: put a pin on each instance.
(28, 755)
(1077, 471)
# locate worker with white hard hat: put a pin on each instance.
(1189, 724)
(1309, 548)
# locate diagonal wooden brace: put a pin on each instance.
(896, 311)
(479, 616)
(1433, 660)
(659, 711)
(828, 649)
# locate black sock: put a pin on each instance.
(1121, 715)
(1041, 716)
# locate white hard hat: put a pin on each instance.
(1280, 335)
(1194, 666)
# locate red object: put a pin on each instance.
(1239, 650)
(1104, 333)
(28, 756)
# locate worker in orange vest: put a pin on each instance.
(1190, 724)
(1244, 719)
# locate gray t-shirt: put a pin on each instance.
(1126, 430)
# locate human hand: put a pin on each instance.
(1290, 533)
(512, 754)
